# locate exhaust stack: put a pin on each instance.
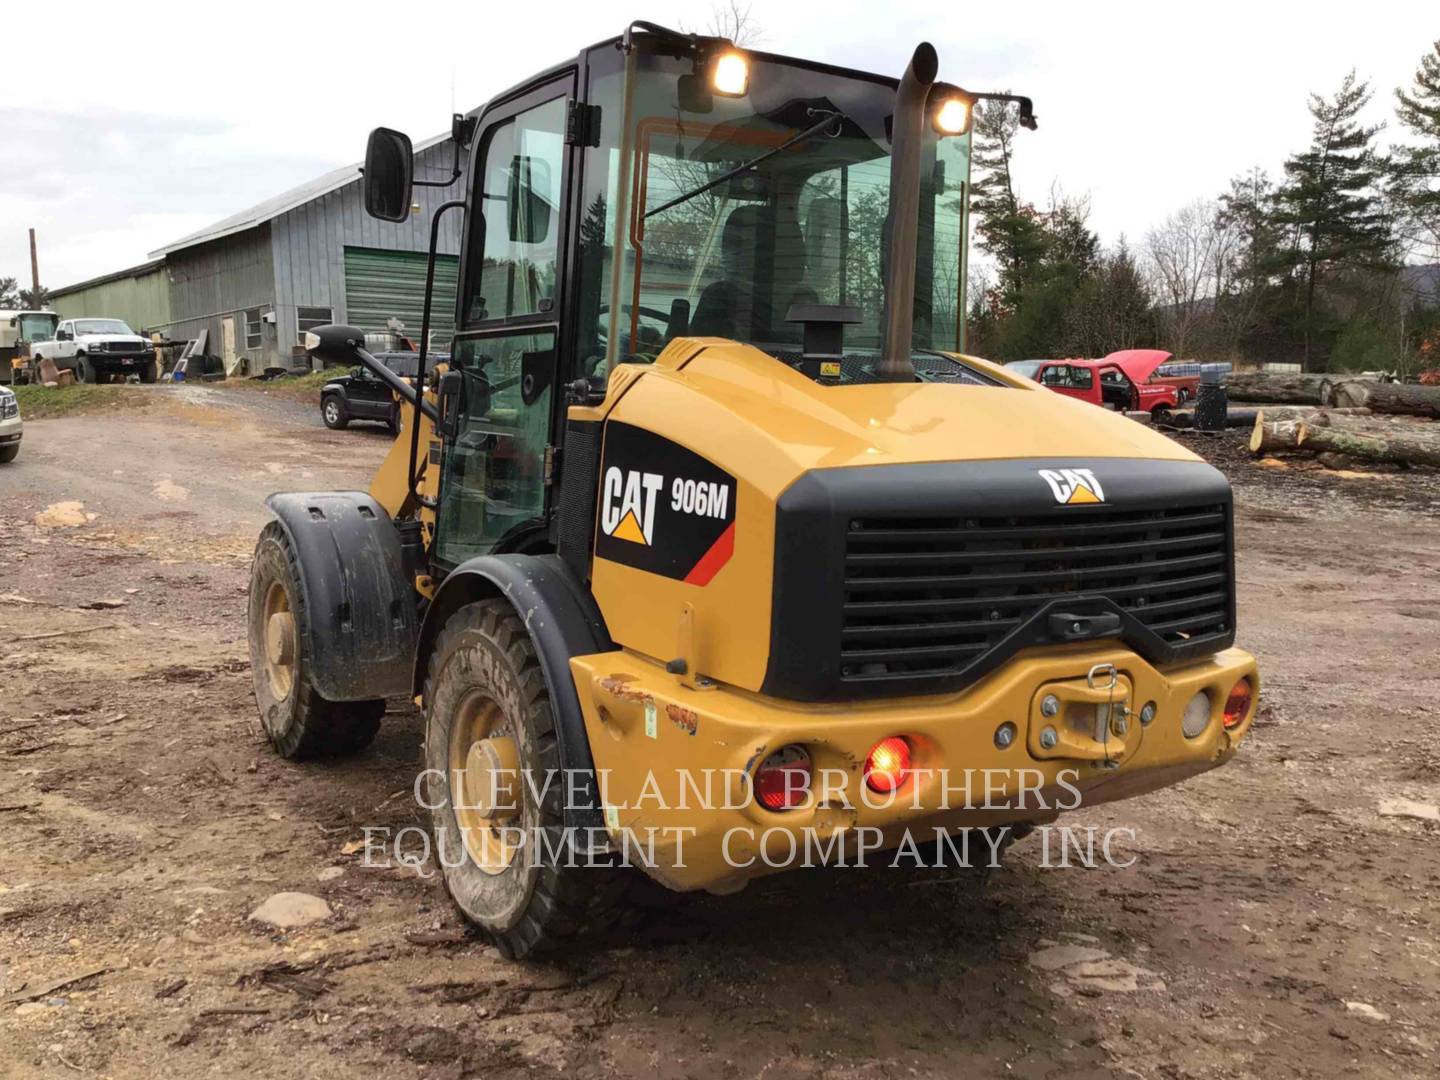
(907, 132)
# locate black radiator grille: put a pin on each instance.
(931, 596)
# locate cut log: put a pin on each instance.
(1402, 398)
(1270, 436)
(1401, 449)
(1267, 389)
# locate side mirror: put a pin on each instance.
(527, 208)
(64, 335)
(335, 346)
(448, 402)
(389, 174)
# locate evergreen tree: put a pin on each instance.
(1006, 228)
(1417, 167)
(1329, 200)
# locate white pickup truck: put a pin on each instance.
(96, 350)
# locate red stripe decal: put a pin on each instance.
(711, 562)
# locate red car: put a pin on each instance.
(1119, 382)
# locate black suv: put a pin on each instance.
(360, 395)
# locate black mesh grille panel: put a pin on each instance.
(932, 596)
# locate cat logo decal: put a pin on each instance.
(1073, 487)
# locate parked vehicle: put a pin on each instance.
(827, 575)
(18, 331)
(97, 350)
(1184, 377)
(1120, 384)
(10, 425)
(1027, 368)
(361, 395)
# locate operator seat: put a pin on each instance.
(718, 312)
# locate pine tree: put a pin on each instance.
(1330, 199)
(1006, 227)
(1417, 167)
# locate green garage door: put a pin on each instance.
(383, 285)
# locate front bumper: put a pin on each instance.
(10, 430)
(674, 762)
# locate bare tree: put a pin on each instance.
(1185, 257)
(735, 22)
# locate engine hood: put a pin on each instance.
(1138, 364)
(737, 401)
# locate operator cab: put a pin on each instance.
(663, 186)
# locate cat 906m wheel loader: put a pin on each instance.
(708, 541)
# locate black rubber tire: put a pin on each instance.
(338, 418)
(9, 453)
(393, 422)
(84, 370)
(148, 372)
(301, 724)
(528, 907)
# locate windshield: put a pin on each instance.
(101, 326)
(806, 225)
(37, 327)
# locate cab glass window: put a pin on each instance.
(516, 218)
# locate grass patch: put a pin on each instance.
(48, 402)
(304, 388)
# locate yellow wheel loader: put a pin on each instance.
(708, 548)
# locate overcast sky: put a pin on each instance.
(126, 126)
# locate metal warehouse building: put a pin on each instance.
(256, 281)
(140, 295)
(260, 278)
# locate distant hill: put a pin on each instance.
(1423, 282)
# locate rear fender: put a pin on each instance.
(563, 621)
(360, 639)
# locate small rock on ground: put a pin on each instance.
(289, 910)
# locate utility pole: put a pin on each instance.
(34, 271)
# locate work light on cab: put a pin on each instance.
(953, 116)
(888, 764)
(1237, 705)
(783, 780)
(731, 74)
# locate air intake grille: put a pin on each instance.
(930, 597)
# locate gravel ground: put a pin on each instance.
(1274, 923)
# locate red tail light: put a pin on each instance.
(888, 764)
(1237, 705)
(783, 780)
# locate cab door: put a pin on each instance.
(493, 478)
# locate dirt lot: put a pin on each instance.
(144, 818)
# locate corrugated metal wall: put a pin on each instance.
(310, 241)
(223, 279)
(384, 285)
(141, 299)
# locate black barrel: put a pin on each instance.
(1212, 402)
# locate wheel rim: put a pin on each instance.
(483, 768)
(331, 412)
(280, 647)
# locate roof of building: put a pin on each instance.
(283, 203)
(115, 275)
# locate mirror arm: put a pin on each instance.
(420, 372)
(462, 128)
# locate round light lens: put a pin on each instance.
(888, 764)
(1197, 716)
(783, 780)
(1237, 705)
(953, 118)
(730, 75)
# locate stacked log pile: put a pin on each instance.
(1338, 438)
